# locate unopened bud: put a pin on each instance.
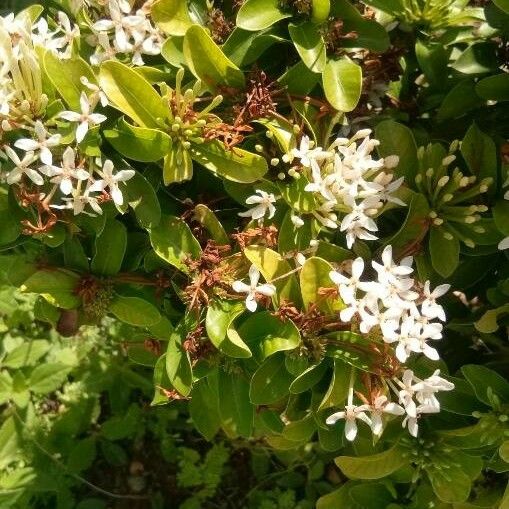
(443, 181)
(281, 176)
(259, 148)
(269, 134)
(448, 236)
(446, 161)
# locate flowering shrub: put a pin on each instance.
(300, 206)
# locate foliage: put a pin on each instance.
(287, 218)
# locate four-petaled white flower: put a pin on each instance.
(22, 167)
(111, 181)
(381, 406)
(253, 288)
(263, 205)
(43, 143)
(351, 413)
(429, 306)
(306, 153)
(64, 174)
(85, 118)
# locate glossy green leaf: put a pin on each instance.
(485, 381)
(237, 165)
(57, 286)
(208, 63)
(204, 409)
(110, 248)
(178, 165)
(342, 84)
(310, 377)
(173, 241)
(372, 467)
(235, 409)
(298, 79)
(260, 14)
(138, 143)
(219, 324)
(134, 311)
(265, 334)
(178, 364)
(300, 431)
(461, 99)
(143, 200)
(494, 88)
(397, 139)
(65, 75)
(309, 45)
(453, 486)
(211, 223)
(171, 16)
(271, 381)
(320, 10)
(314, 276)
(272, 265)
(444, 252)
(488, 322)
(338, 388)
(124, 88)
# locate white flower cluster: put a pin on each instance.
(253, 288)
(122, 31)
(346, 179)
(59, 39)
(391, 303)
(415, 398)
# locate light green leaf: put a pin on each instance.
(132, 94)
(260, 14)
(27, 354)
(237, 165)
(219, 324)
(134, 311)
(235, 409)
(309, 44)
(9, 441)
(65, 74)
(451, 486)
(171, 16)
(211, 223)
(271, 381)
(266, 334)
(110, 248)
(143, 200)
(376, 466)
(208, 63)
(178, 364)
(138, 143)
(272, 265)
(178, 165)
(173, 241)
(57, 286)
(342, 84)
(47, 378)
(488, 323)
(320, 10)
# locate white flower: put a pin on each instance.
(381, 406)
(43, 143)
(426, 390)
(111, 181)
(79, 201)
(97, 93)
(306, 154)
(351, 413)
(348, 286)
(64, 175)
(253, 288)
(264, 205)
(22, 167)
(503, 244)
(85, 118)
(389, 272)
(429, 306)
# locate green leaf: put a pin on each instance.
(74, 254)
(461, 99)
(272, 265)
(237, 165)
(178, 165)
(451, 486)
(57, 286)
(433, 60)
(110, 246)
(494, 88)
(124, 88)
(298, 79)
(309, 378)
(171, 16)
(372, 495)
(309, 44)
(271, 381)
(480, 153)
(134, 311)
(82, 455)
(266, 334)
(173, 241)
(49, 377)
(486, 382)
(295, 195)
(503, 451)
(397, 139)
(138, 143)
(211, 223)
(65, 76)
(501, 216)
(178, 364)
(260, 14)
(444, 252)
(313, 276)
(9, 441)
(11, 226)
(27, 354)
(479, 58)
(235, 410)
(143, 200)
(219, 324)
(338, 388)
(203, 408)
(337, 499)
(320, 10)
(370, 35)
(372, 467)
(208, 63)
(300, 431)
(342, 84)
(488, 323)
(502, 4)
